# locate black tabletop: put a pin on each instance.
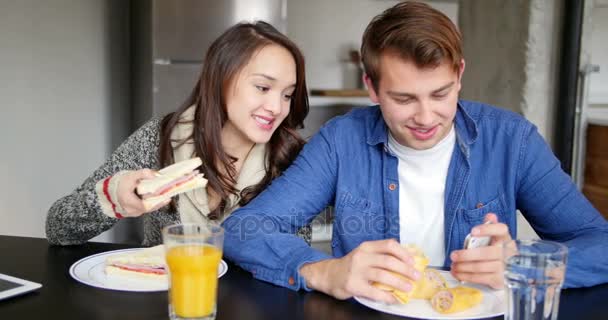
(240, 296)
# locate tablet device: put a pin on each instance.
(11, 286)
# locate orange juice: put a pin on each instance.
(193, 272)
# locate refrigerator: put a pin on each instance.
(170, 38)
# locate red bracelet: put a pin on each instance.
(106, 183)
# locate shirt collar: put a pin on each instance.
(466, 127)
(378, 130)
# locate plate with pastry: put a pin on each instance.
(438, 295)
(138, 270)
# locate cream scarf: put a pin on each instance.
(193, 205)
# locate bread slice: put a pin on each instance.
(148, 263)
(112, 271)
(177, 178)
(168, 174)
(195, 183)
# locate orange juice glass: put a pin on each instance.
(193, 253)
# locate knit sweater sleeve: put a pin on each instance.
(78, 217)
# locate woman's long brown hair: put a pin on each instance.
(228, 55)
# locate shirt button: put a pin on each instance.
(392, 186)
(479, 205)
(291, 281)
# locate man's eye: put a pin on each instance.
(403, 101)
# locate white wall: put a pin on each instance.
(60, 85)
(326, 30)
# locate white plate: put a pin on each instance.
(90, 271)
(492, 305)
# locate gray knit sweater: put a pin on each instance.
(78, 217)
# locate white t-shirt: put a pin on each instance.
(422, 179)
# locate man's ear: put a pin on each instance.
(461, 71)
(373, 96)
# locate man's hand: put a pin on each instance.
(353, 274)
(483, 265)
(128, 199)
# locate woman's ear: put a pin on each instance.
(373, 96)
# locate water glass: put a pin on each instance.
(534, 274)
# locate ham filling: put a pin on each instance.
(141, 268)
(436, 279)
(174, 184)
(442, 300)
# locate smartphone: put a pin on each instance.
(471, 242)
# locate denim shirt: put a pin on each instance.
(500, 164)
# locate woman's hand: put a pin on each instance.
(483, 265)
(353, 274)
(128, 198)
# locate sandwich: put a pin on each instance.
(147, 264)
(177, 178)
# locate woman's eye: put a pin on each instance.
(262, 88)
(287, 97)
(440, 96)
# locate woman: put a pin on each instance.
(240, 119)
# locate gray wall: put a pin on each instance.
(543, 50)
(63, 96)
(495, 34)
(512, 52)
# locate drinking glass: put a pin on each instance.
(534, 274)
(193, 253)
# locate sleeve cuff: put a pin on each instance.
(291, 273)
(289, 276)
(107, 195)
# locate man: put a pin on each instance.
(422, 167)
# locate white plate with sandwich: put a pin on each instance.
(137, 270)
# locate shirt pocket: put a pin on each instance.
(357, 219)
(494, 205)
